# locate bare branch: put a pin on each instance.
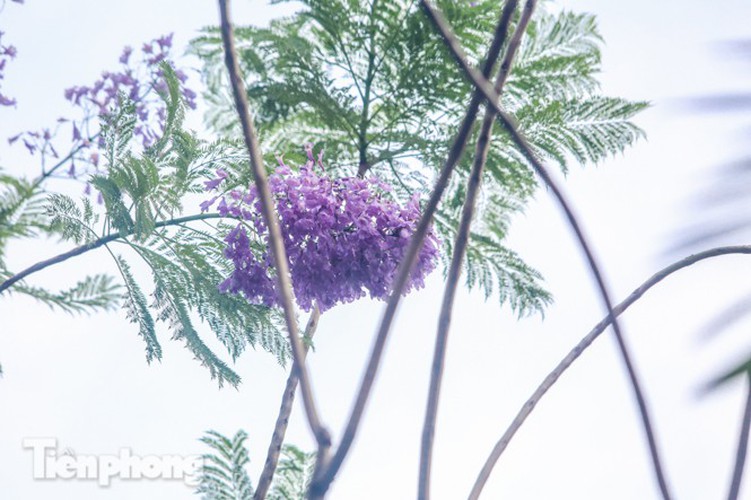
(460, 245)
(740, 456)
(585, 342)
(278, 253)
(483, 85)
(326, 472)
(280, 429)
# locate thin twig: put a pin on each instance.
(460, 245)
(489, 93)
(280, 429)
(585, 342)
(45, 175)
(284, 285)
(93, 245)
(325, 472)
(740, 456)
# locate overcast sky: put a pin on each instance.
(85, 382)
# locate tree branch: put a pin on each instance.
(45, 175)
(740, 456)
(325, 472)
(489, 93)
(362, 144)
(460, 246)
(585, 342)
(280, 429)
(275, 235)
(93, 245)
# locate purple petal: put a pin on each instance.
(127, 51)
(6, 101)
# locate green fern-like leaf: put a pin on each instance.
(175, 109)
(118, 214)
(70, 221)
(588, 131)
(173, 311)
(223, 475)
(117, 129)
(494, 269)
(293, 474)
(137, 311)
(92, 294)
(22, 213)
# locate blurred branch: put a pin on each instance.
(715, 219)
(585, 342)
(723, 102)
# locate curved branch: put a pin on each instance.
(492, 97)
(460, 246)
(278, 252)
(93, 245)
(280, 428)
(574, 354)
(325, 472)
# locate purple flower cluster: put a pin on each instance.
(7, 52)
(137, 82)
(344, 238)
(140, 78)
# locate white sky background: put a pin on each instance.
(84, 380)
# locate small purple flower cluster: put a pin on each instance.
(140, 79)
(137, 82)
(7, 52)
(344, 238)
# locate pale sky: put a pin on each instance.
(85, 382)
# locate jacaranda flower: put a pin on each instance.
(344, 238)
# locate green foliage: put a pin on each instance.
(224, 475)
(92, 294)
(587, 130)
(21, 210)
(558, 58)
(235, 322)
(143, 193)
(293, 474)
(489, 265)
(175, 108)
(24, 213)
(117, 129)
(137, 311)
(173, 310)
(335, 72)
(69, 221)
